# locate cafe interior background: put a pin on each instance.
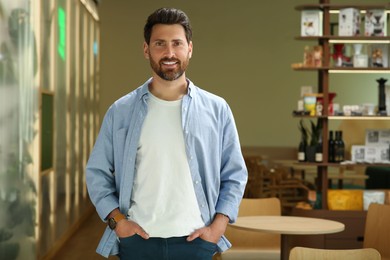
(62, 63)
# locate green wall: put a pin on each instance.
(243, 51)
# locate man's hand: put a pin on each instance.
(127, 228)
(213, 232)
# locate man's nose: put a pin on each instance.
(170, 52)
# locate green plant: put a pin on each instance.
(310, 136)
(304, 133)
(316, 130)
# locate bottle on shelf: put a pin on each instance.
(339, 147)
(302, 151)
(336, 147)
(303, 143)
(319, 155)
(331, 147)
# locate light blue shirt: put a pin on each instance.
(213, 151)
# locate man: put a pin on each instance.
(167, 172)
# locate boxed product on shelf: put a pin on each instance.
(376, 148)
(379, 55)
(370, 154)
(373, 196)
(378, 153)
(345, 199)
(309, 103)
(358, 153)
(375, 23)
(312, 56)
(311, 23)
(377, 137)
(349, 22)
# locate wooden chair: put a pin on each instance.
(377, 229)
(259, 178)
(264, 182)
(305, 253)
(289, 190)
(251, 244)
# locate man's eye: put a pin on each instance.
(159, 44)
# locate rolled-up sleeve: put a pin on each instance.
(100, 170)
(234, 174)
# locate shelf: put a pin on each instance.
(308, 116)
(359, 117)
(340, 164)
(335, 7)
(347, 39)
(345, 117)
(344, 69)
(329, 12)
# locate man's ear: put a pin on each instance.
(146, 50)
(190, 48)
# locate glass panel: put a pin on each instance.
(81, 92)
(71, 207)
(47, 120)
(60, 124)
(48, 40)
(97, 79)
(18, 115)
(47, 216)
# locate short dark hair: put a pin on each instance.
(167, 16)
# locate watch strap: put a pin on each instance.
(118, 217)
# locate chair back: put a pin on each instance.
(252, 239)
(377, 229)
(259, 207)
(305, 253)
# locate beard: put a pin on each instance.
(169, 74)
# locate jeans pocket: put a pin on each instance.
(207, 245)
(126, 239)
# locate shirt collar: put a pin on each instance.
(145, 88)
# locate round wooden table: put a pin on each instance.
(288, 225)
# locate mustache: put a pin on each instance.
(169, 60)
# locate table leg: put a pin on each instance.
(288, 241)
(284, 247)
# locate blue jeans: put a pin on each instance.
(175, 248)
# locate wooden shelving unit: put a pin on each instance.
(323, 80)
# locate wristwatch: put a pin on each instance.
(114, 220)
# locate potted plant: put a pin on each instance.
(310, 138)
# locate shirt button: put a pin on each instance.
(196, 182)
(202, 205)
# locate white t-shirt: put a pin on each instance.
(163, 201)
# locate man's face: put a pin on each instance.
(168, 51)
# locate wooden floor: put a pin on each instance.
(82, 245)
